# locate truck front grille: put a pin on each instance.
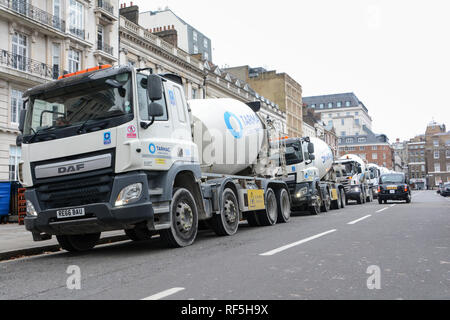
(77, 192)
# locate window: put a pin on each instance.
(76, 19)
(362, 148)
(14, 159)
(362, 139)
(349, 140)
(374, 156)
(447, 143)
(330, 105)
(180, 105)
(356, 113)
(343, 133)
(436, 154)
(330, 123)
(339, 104)
(74, 61)
(195, 49)
(195, 36)
(322, 106)
(206, 55)
(19, 51)
(447, 154)
(437, 167)
(357, 122)
(16, 103)
(194, 93)
(205, 43)
(343, 122)
(143, 100)
(348, 103)
(313, 106)
(56, 60)
(436, 143)
(384, 156)
(57, 14)
(374, 148)
(100, 37)
(448, 167)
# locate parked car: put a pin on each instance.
(394, 186)
(445, 190)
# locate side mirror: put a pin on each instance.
(155, 110)
(312, 157)
(23, 114)
(359, 170)
(154, 87)
(311, 148)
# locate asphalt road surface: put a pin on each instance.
(372, 251)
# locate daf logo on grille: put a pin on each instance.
(71, 169)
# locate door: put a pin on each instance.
(20, 51)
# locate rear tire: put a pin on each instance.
(227, 222)
(184, 220)
(344, 201)
(326, 204)
(284, 206)
(360, 200)
(269, 217)
(78, 243)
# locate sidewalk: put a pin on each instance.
(16, 241)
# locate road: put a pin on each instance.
(406, 249)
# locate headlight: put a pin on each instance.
(302, 192)
(129, 194)
(31, 211)
(356, 189)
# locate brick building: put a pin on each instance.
(417, 168)
(437, 153)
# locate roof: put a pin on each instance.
(335, 98)
(370, 139)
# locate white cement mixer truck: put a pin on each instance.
(119, 148)
(312, 179)
(355, 178)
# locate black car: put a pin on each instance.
(445, 190)
(394, 186)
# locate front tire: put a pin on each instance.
(326, 205)
(344, 201)
(184, 220)
(78, 243)
(227, 222)
(284, 206)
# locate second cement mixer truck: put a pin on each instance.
(119, 148)
(312, 178)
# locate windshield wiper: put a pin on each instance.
(82, 128)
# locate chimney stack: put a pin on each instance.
(131, 13)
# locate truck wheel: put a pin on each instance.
(78, 243)
(184, 220)
(326, 205)
(227, 222)
(139, 234)
(269, 216)
(344, 201)
(336, 204)
(314, 209)
(284, 206)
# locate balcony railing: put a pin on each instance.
(105, 5)
(27, 65)
(24, 8)
(105, 48)
(79, 33)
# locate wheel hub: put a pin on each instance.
(230, 212)
(185, 217)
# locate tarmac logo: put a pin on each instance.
(74, 280)
(374, 281)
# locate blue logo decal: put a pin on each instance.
(293, 169)
(107, 138)
(172, 98)
(152, 148)
(236, 133)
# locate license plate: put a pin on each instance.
(392, 191)
(392, 187)
(70, 213)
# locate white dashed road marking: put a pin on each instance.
(164, 294)
(382, 210)
(361, 219)
(289, 246)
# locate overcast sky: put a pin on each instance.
(394, 55)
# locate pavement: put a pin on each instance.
(396, 251)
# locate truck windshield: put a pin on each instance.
(294, 154)
(348, 169)
(80, 104)
(393, 178)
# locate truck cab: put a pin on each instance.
(355, 179)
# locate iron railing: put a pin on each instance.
(24, 8)
(105, 47)
(105, 5)
(79, 33)
(27, 65)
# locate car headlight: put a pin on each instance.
(356, 189)
(301, 192)
(31, 211)
(129, 194)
